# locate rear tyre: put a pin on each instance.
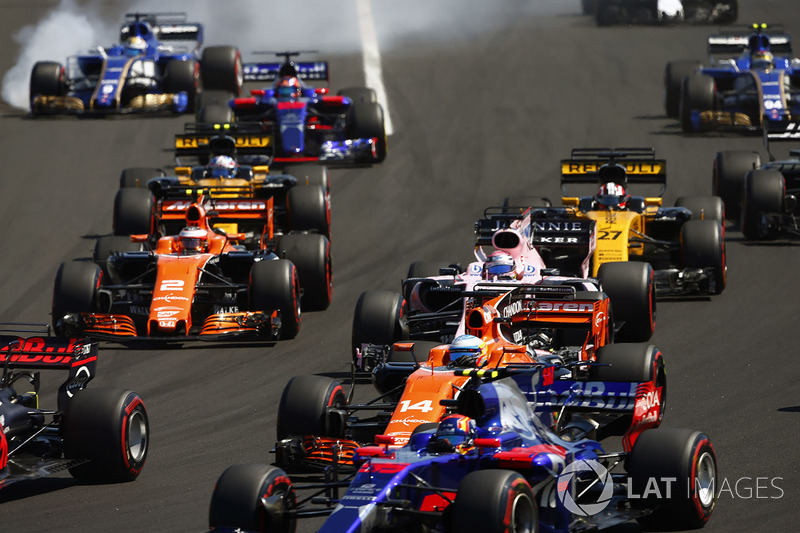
(764, 192)
(236, 502)
(75, 290)
(304, 406)
(681, 463)
(703, 207)
(47, 79)
(311, 255)
(274, 285)
(221, 69)
(631, 288)
(366, 122)
(211, 97)
(359, 95)
(308, 210)
(730, 168)
(703, 246)
(518, 204)
(697, 94)
(494, 501)
(635, 363)
(133, 212)
(376, 320)
(108, 244)
(215, 114)
(137, 177)
(182, 76)
(110, 428)
(674, 74)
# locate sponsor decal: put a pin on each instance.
(224, 309)
(166, 323)
(169, 298)
(557, 226)
(230, 205)
(567, 307)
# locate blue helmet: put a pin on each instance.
(499, 264)
(458, 430)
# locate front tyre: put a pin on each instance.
(631, 288)
(376, 320)
(75, 290)
(236, 503)
(682, 464)
(495, 501)
(304, 405)
(703, 246)
(274, 285)
(764, 192)
(110, 428)
(311, 255)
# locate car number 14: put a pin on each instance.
(424, 406)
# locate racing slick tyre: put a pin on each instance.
(376, 320)
(274, 285)
(133, 212)
(311, 255)
(236, 503)
(730, 168)
(182, 76)
(635, 363)
(518, 204)
(305, 402)
(108, 244)
(366, 122)
(673, 80)
(311, 175)
(426, 269)
(47, 79)
(494, 501)
(137, 177)
(703, 207)
(221, 69)
(763, 194)
(110, 428)
(215, 114)
(75, 290)
(697, 94)
(308, 210)
(631, 288)
(703, 246)
(680, 463)
(210, 97)
(359, 95)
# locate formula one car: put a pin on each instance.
(233, 174)
(496, 465)
(307, 123)
(608, 12)
(157, 67)
(435, 298)
(200, 284)
(765, 195)
(96, 434)
(684, 244)
(759, 87)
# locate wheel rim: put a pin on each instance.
(137, 436)
(705, 479)
(522, 514)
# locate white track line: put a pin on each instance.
(373, 73)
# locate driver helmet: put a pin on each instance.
(611, 195)
(499, 264)
(223, 166)
(467, 350)
(288, 87)
(762, 59)
(458, 430)
(135, 46)
(193, 239)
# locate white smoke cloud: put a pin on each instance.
(330, 27)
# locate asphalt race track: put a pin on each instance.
(479, 116)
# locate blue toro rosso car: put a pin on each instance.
(308, 124)
(759, 87)
(157, 67)
(494, 466)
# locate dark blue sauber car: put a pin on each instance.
(157, 67)
(307, 123)
(758, 87)
(497, 465)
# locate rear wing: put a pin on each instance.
(639, 164)
(205, 140)
(305, 70)
(79, 356)
(542, 230)
(764, 36)
(166, 26)
(545, 304)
